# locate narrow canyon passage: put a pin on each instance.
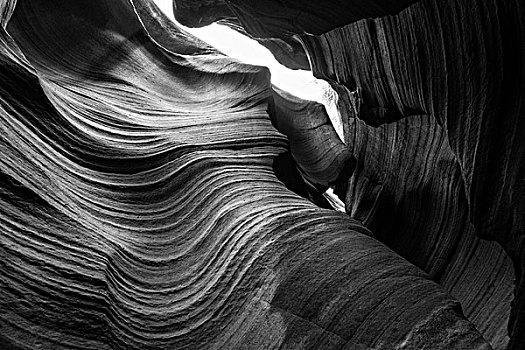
(156, 193)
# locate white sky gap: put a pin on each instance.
(300, 83)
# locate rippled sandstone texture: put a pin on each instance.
(140, 207)
(439, 139)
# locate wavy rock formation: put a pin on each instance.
(445, 170)
(466, 72)
(321, 156)
(140, 207)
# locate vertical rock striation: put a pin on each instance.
(461, 63)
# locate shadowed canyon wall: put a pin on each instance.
(139, 202)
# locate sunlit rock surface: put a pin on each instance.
(139, 202)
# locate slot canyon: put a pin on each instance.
(156, 193)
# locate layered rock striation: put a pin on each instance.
(433, 98)
(140, 207)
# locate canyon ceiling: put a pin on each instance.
(157, 194)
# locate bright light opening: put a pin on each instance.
(300, 83)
